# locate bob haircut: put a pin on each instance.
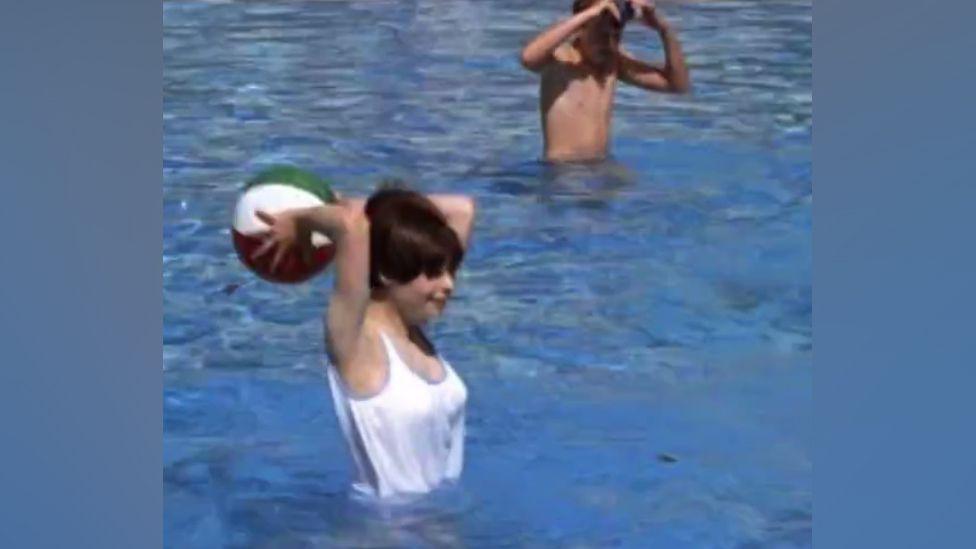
(408, 235)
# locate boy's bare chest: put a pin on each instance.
(580, 94)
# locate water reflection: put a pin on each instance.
(585, 184)
(656, 302)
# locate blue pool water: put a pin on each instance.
(636, 335)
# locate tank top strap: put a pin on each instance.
(448, 370)
(394, 362)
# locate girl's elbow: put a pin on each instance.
(464, 209)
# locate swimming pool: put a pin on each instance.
(636, 335)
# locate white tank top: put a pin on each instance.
(407, 439)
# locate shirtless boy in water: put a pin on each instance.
(580, 60)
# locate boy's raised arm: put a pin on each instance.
(538, 53)
(673, 76)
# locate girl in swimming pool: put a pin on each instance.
(400, 405)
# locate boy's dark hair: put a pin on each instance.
(408, 236)
(625, 8)
(580, 5)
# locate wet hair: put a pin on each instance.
(626, 10)
(408, 236)
(580, 5)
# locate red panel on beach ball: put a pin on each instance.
(272, 191)
(292, 268)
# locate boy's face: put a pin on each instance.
(601, 38)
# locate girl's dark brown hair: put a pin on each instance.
(408, 236)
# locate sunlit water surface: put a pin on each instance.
(636, 335)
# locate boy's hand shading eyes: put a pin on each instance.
(649, 14)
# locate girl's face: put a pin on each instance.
(423, 298)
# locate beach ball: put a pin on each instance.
(274, 190)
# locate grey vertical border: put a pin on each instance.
(80, 295)
(894, 274)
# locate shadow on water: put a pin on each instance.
(584, 184)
